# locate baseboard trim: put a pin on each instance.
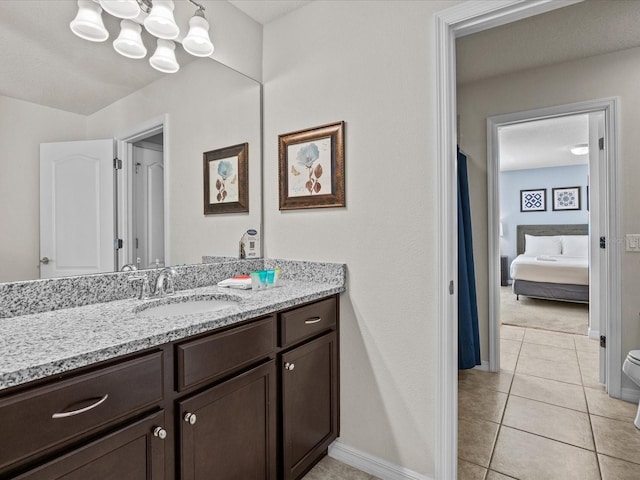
(484, 365)
(630, 394)
(371, 464)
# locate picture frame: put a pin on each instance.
(226, 174)
(311, 167)
(534, 200)
(566, 198)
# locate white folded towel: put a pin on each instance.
(546, 258)
(242, 282)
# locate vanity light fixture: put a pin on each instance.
(164, 58)
(158, 20)
(197, 41)
(580, 149)
(88, 23)
(129, 42)
(121, 8)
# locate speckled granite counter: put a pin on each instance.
(42, 344)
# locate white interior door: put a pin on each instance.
(148, 205)
(598, 269)
(77, 229)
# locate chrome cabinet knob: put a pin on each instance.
(160, 432)
(44, 260)
(190, 418)
(289, 366)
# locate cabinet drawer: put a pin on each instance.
(40, 420)
(220, 354)
(306, 321)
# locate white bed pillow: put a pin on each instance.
(575, 245)
(542, 245)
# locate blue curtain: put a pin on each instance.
(468, 337)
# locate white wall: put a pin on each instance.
(209, 107)
(614, 74)
(23, 126)
(368, 63)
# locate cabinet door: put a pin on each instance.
(309, 403)
(228, 432)
(131, 453)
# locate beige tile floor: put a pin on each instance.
(544, 416)
(331, 469)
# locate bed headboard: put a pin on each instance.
(577, 229)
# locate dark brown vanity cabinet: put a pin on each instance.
(253, 401)
(229, 431)
(309, 384)
(135, 452)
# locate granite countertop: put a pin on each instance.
(38, 345)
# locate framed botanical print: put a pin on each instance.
(311, 165)
(226, 180)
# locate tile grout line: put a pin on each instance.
(504, 411)
(586, 401)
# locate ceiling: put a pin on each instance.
(543, 143)
(265, 11)
(45, 63)
(593, 27)
(581, 30)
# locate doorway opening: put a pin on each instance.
(142, 193)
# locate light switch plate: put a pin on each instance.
(632, 242)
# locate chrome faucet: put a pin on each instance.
(164, 283)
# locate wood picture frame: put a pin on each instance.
(566, 198)
(533, 200)
(311, 167)
(226, 177)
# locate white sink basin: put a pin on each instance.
(185, 307)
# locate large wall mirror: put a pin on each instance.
(58, 90)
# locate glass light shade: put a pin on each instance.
(88, 22)
(160, 21)
(129, 42)
(121, 8)
(164, 58)
(197, 41)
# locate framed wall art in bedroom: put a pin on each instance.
(566, 198)
(533, 200)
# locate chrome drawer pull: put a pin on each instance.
(313, 320)
(81, 410)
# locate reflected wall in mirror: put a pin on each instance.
(203, 107)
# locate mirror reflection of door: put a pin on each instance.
(148, 203)
(76, 208)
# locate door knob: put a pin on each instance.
(44, 260)
(190, 418)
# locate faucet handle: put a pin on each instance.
(144, 285)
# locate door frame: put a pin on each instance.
(124, 183)
(609, 268)
(459, 20)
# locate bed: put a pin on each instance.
(555, 263)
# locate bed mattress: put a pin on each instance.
(551, 269)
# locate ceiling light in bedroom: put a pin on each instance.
(580, 149)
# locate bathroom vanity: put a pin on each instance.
(247, 392)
